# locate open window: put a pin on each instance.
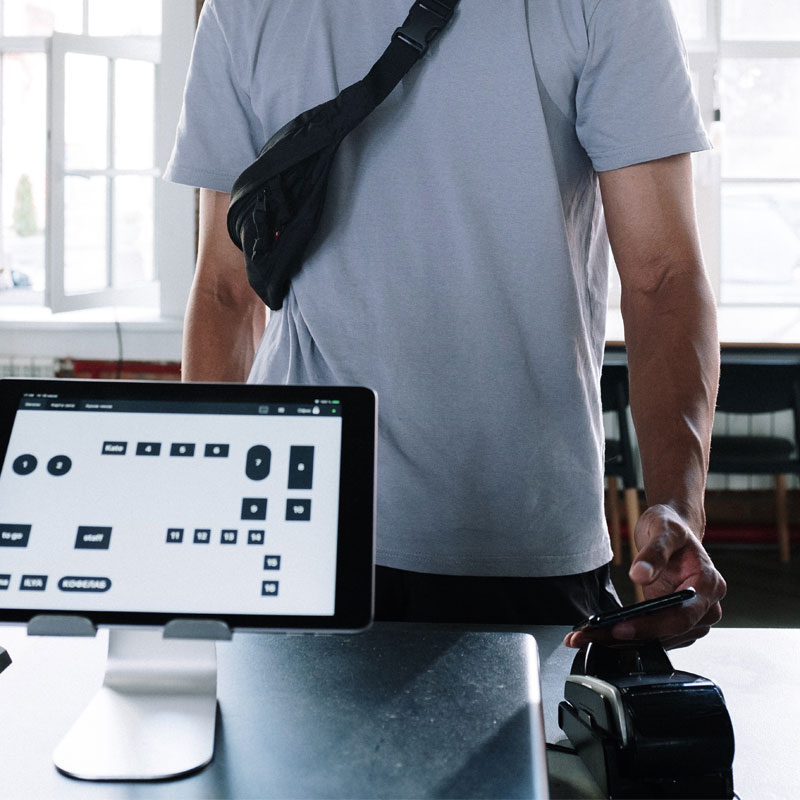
(89, 101)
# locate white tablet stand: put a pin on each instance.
(154, 716)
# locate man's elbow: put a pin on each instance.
(225, 286)
(676, 306)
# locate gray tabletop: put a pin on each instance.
(397, 711)
(52, 679)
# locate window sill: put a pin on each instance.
(101, 333)
(776, 326)
(27, 332)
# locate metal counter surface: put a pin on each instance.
(51, 680)
(397, 711)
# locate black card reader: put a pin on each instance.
(644, 729)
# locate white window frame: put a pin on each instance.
(739, 321)
(148, 332)
(146, 49)
(705, 58)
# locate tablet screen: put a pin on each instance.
(137, 502)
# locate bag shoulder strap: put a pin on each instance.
(277, 201)
(425, 20)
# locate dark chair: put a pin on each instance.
(620, 460)
(752, 389)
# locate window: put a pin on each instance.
(745, 59)
(85, 219)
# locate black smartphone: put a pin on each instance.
(637, 610)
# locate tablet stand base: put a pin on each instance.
(154, 716)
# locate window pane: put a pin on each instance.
(133, 230)
(142, 17)
(765, 19)
(84, 234)
(692, 18)
(41, 17)
(135, 111)
(760, 243)
(22, 245)
(761, 113)
(86, 104)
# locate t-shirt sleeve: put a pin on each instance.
(217, 135)
(634, 98)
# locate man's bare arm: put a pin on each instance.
(225, 318)
(673, 357)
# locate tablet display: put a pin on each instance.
(142, 502)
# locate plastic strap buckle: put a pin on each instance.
(425, 20)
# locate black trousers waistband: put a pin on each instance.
(403, 596)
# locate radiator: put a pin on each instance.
(11, 367)
(29, 367)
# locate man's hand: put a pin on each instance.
(670, 558)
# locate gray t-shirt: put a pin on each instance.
(460, 268)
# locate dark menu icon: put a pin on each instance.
(91, 537)
(301, 467)
(258, 462)
(24, 464)
(14, 535)
(254, 508)
(59, 465)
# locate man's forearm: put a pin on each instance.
(220, 339)
(224, 317)
(670, 327)
(673, 357)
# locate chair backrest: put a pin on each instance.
(614, 397)
(758, 388)
(614, 387)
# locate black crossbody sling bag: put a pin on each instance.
(276, 203)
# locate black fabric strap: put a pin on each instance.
(276, 203)
(426, 19)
